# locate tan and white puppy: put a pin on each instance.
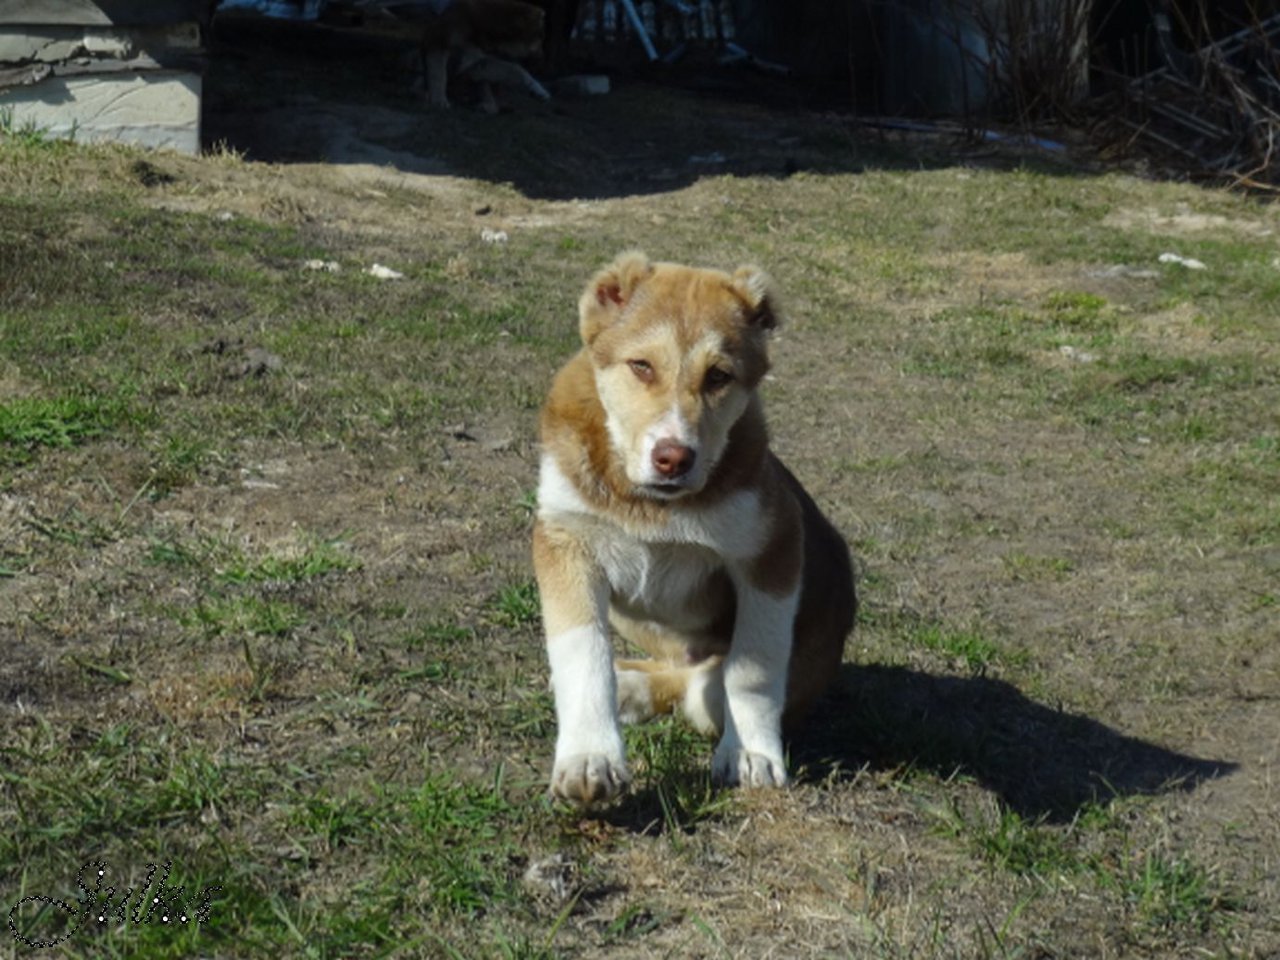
(662, 511)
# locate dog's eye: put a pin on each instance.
(642, 369)
(716, 379)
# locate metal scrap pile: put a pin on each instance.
(1217, 108)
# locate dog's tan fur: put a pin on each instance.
(663, 512)
(482, 37)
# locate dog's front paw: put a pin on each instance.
(734, 766)
(588, 779)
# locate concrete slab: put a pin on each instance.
(154, 109)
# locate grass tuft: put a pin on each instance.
(30, 423)
(673, 788)
(1175, 894)
(516, 605)
(316, 559)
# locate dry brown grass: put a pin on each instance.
(1054, 734)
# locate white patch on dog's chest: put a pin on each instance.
(669, 582)
(734, 527)
(659, 579)
(657, 567)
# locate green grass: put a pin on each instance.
(28, 424)
(255, 599)
(1024, 566)
(1170, 896)
(170, 551)
(437, 848)
(438, 634)
(436, 825)
(671, 764)
(971, 648)
(177, 464)
(238, 615)
(460, 830)
(967, 647)
(314, 560)
(1008, 841)
(27, 135)
(164, 264)
(328, 695)
(142, 794)
(178, 783)
(1080, 312)
(11, 566)
(73, 528)
(516, 605)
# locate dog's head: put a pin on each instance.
(678, 353)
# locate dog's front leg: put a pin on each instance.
(755, 689)
(590, 767)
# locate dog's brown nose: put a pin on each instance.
(672, 459)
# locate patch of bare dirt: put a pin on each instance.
(1187, 222)
(12, 383)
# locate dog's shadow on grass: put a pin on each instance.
(1042, 762)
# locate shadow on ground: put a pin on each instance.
(1042, 763)
(294, 93)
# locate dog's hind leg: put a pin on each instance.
(651, 688)
(647, 689)
(670, 682)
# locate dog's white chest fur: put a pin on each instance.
(658, 572)
(658, 560)
(658, 581)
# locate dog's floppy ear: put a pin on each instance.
(610, 291)
(757, 291)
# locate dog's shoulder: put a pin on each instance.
(572, 404)
(575, 435)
